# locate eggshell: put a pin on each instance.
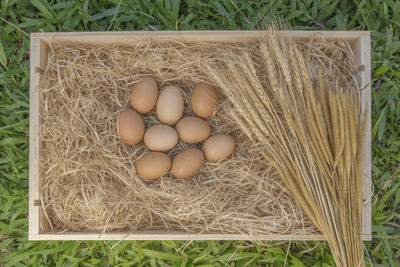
(204, 100)
(153, 165)
(170, 105)
(192, 129)
(187, 163)
(130, 126)
(144, 95)
(217, 147)
(160, 138)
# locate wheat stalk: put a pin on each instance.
(311, 131)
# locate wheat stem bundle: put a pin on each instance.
(311, 130)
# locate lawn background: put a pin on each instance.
(20, 17)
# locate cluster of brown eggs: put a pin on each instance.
(161, 138)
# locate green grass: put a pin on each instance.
(20, 17)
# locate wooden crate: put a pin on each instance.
(360, 44)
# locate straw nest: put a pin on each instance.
(88, 178)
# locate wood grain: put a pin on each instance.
(34, 137)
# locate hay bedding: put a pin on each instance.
(87, 174)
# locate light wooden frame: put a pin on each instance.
(39, 49)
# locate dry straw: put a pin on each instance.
(293, 109)
(308, 122)
(88, 178)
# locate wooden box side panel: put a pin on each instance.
(38, 61)
(174, 235)
(34, 192)
(122, 37)
(367, 181)
(360, 43)
(365, 83)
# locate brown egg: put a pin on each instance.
(204, 100)
(160, 138)
(130, 126)
(144, 95)
(153, 165)
(217, 147)
(187, 163)
(170, 105)
(192, 129)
